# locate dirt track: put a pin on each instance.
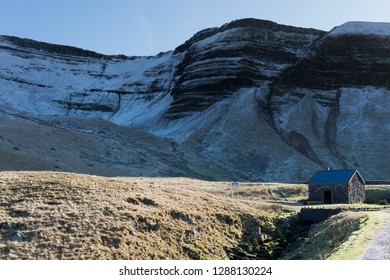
(379, 247)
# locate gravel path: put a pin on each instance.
(379, 247)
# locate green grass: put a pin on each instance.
(324, 238)
(378, 194)
(358, 241)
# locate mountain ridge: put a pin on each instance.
(251, 100)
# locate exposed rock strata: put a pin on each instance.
(250, 100)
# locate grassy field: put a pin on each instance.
(69, 216)
(378, 194)
(48, 215)
(256, 191)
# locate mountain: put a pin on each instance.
(250, 100)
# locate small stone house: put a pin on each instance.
(337, 186)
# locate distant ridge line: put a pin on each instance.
(378, 182)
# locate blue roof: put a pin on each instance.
(332, 177)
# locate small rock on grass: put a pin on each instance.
(156, 227)
(17, 237)
(194, 232)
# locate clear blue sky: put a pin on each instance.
(147, 27)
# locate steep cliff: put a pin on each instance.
(333, 104)
(250, 100)
(242, 54)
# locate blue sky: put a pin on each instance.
(147, 27)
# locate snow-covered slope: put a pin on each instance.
(35, 79)
(249, 100)
(336, 100)
(362, 28)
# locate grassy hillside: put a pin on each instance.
(49, 215)
(68, 216)
(324, 238)
(378, 194)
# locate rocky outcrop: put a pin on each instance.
(335, 99)
(339, 60)
(242, 54)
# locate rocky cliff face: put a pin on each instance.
(250, 100)
(333, 104)
(243, 54)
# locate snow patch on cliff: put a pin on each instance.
(362, 28)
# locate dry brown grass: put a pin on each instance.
(276, 192)
(69, 216)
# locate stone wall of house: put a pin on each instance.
(356, 190)
(315, 192)
(339, 192)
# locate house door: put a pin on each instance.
(328, 197)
